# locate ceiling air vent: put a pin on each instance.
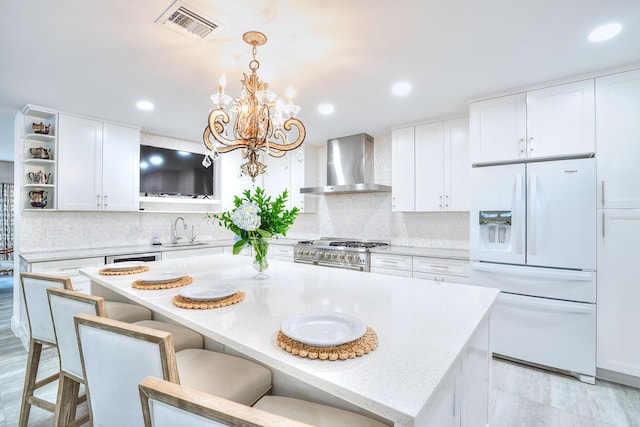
(186, 20)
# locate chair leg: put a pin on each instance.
(67, 402)
(33, 361)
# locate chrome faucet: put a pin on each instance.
(175, 229)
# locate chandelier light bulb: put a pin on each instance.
(291, 93)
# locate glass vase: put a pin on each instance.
(260, 263)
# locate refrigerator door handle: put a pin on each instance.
(542, 304)
(553, 275)
(519, 215)
(533, 197)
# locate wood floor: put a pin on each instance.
(521, 395)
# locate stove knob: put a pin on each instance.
(333, 256)
(327, 255)
(312, 253)
(341, 256)
(348, 257)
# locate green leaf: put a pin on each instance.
(237, 247)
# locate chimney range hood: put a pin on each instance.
(349, 167)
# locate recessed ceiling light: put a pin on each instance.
(156, 160)
(605, 32)
(144, 105)
(326, 109)
(402, 88)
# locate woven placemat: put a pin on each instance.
(108, 272)
(183, 281)
(184, 302)
(363, 345)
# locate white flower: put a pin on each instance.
(246, 216)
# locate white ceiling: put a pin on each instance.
(98, 57)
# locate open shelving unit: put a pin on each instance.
(39, 163)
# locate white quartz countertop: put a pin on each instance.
(461, 254)
(75, 253)
(422, 326)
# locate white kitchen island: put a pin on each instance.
(432, 363)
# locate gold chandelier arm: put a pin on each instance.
(216, 119)
(279, 134)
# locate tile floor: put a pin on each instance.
(521, 395)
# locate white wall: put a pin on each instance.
(364, 216)
(6, 172)
(6, 136)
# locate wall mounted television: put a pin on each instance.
(167, 172)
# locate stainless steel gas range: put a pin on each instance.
(339, 253)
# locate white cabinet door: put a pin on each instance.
(498, 129)
(429, 171)
(120, 167)
(303, 174)
(277, 178)
(618, 133)
(618, 291)
(457, 166)
(402, 170)
(232, 182)
(561, 120)
(79, 164)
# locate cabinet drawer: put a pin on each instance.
(440, 266)
(283, 252)
(397, 262)
(391, 272)
(67, 267)
(441, 278)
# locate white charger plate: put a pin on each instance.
(166, 277)
(323, 329)
(124, 266)
(208, 292)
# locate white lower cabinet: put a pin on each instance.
(441, 269)
(185, 253)
(68, 268)
(394, 265)
(281, 252)
(618, 291)
(463, 400)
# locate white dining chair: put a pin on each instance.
(41, 334)
(64, 305)
(116, 356)
(166, 404)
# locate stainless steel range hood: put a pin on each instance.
(349, 167)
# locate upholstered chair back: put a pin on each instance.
(64, 306)
(34, 292)
(115, 357)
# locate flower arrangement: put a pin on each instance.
(255, 219)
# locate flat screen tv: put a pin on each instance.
(166, 172)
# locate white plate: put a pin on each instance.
(165, 277)
(208, 292)
(123, 266)
(323, 329)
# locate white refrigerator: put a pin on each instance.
(533, 236)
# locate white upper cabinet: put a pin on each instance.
(293, 171)
(558, 121)
(618, 135)
(402, 170)
(98, 165)
(430, 167)
(120, 168)
(498, 129)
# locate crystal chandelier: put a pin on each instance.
(261, 123)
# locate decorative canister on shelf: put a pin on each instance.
(41, 128)
(40, 153)
(254, 220)
(38, 198)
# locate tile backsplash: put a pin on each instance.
(361, 216)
